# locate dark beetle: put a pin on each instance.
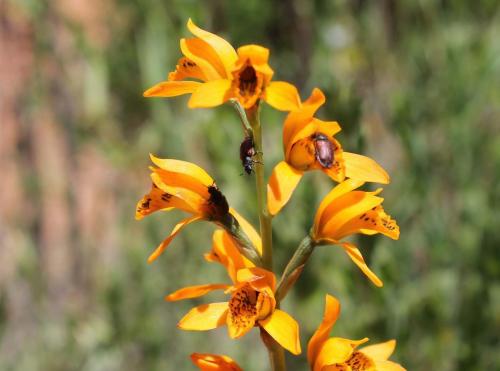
(218, 201)
(247, 151)
(324, 150)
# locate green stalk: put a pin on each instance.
(264, 216)
(276, 353)
(294, 267)
(243, 117)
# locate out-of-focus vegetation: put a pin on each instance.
(414, 84)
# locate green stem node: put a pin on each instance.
(294, 267)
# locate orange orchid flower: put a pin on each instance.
(214, 362)
(225, 250)
(344, 212)
(251, 304)
(340, 354)
(185, 186)
(223, 74)
(309, 144)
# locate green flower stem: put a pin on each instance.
(244, 244)
(243, 117)
(276, 352)
(294, 267)
(264, 216)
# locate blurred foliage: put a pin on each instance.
(414, 84)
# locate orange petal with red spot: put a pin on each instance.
(204, 56)
(186, 69)
(158, 199)
(335, 350)
(338, 216)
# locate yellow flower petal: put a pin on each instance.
(195, 291)
(204, 317)
(251, 75)
(172, 88)
(335, 350)
(225, 252)
(364, 168)
(388, 366)
(339, 190)
(192, 192)
(214, 362)
(186, 69)
(381, 351)
(258, 278)
(297, 120)
(203, 55)
(282, 183)
(184, 180)
(183, 167)
(249, 230)
(302, 154)
(284, 329)
(337, 367)
(258, 58)
(243, 311)
(338, 216)
(172, 235)
(158, 199)
(332, 311)
(224, 50)
(357, 258)
(328, 128)
(371, 221)
(210, 94)
(283, 96)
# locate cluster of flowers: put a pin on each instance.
(213, 72)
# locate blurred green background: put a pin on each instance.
(414, 84)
